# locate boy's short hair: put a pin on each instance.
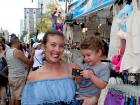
(92, 43)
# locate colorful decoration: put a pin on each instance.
(117, 59)
(57, 18)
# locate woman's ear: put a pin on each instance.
(43, 46)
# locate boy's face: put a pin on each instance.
(91, 57)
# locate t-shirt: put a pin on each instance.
(38, 58)
(87, 87)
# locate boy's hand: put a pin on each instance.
(87, 73)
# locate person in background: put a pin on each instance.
(38, 56)
(52, 84)
(2, 88)
(2, 39)
(25, 50)
(95, 74)
(17, 63)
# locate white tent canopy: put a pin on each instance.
(40, 36)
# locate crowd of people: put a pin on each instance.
(38, 75)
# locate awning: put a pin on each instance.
(86, 6)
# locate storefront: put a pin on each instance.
(124, 34)
(90, 16)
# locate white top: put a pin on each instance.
(38, 58)
(114, 39)
(16, 68)
(131, 57)
(6, 47)
(26, 53)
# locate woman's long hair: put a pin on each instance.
(3, 46)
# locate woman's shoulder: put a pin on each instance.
(34, 75)
(31, 75)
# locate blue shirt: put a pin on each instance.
(126, 11)
(49, 92)
(87, 87)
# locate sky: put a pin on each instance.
(11, 12)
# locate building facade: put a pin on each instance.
(5, 34)
(31, 16)
(21, 27)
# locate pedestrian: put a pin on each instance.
(2, 87)
(17, 63)
(38, 56)
(95, 74)
(52, 84)
(2, 39)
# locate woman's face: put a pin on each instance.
(54, 48)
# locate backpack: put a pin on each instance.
(3, 72)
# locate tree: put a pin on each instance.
(23, 35)
(45, 23)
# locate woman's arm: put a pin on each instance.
(78, 77)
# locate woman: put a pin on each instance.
(52, 84)
(2, 88)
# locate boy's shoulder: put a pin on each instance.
(98, 66)
(102, 65)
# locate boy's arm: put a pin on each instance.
(98, 82)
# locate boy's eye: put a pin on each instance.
(87, 55)
(53, 45)
(62, 46)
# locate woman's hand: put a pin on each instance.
(77, 78)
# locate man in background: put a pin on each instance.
(17, 63)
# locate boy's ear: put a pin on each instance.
(100, 52)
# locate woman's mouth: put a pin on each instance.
(55, 55)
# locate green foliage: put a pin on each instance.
(45, 23)
(23, 35)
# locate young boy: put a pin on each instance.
(95, 74)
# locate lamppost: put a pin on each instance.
(41, 14)
(66, 5)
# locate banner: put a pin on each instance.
(61, 0)
(85, 6)
(64, 0)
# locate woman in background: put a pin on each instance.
(2, 88)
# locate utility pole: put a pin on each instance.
(41, 14)
(66, 5)
(41, 10)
